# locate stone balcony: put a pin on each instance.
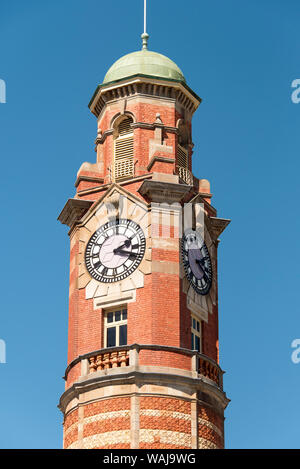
(125, 359)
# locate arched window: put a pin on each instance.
(123, 152)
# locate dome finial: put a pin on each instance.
(145, 36)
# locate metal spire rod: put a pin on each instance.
(145, 36)
(145, 16)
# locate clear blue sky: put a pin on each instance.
(240, 56)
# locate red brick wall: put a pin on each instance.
(158, 416)
(108, 423)
(71, 434)
(207, 414)
(172, 415)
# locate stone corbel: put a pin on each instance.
(99, 137)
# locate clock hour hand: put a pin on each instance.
(200, 261)
(126, 245)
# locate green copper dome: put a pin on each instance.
(144, 62)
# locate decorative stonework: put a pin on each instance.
(116, 203)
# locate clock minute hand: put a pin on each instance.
(128, 253)
(199, 261)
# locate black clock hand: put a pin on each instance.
(128, 253)
(126, 245)
(199, 261)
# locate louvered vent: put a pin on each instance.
(124, 166)
(182, 157)
(124, 127)
(182, 166)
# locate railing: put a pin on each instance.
(104, 361)
(208, 369)
(186, 175)
(128, 355)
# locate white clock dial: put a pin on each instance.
(115, 250)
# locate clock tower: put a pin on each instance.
(143, 356)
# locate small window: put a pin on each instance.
(196, 334)
(115, 328)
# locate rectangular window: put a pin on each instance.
(115, 328)
(196, 342)
(123, 335)
(111, 337)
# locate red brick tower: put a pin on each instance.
(143, 355)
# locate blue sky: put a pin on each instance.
(241, 57)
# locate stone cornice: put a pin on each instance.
(137, 125)
(218, 225)
(73, 211)
(89, 179)
(146, 375)
(143, 85)
(104, 135)
(160, 192)
(104, 187)
(145, 125)
(162, 159)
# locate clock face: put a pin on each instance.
(196, 261)
(115, 250)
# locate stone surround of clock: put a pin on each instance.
(139, 301)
